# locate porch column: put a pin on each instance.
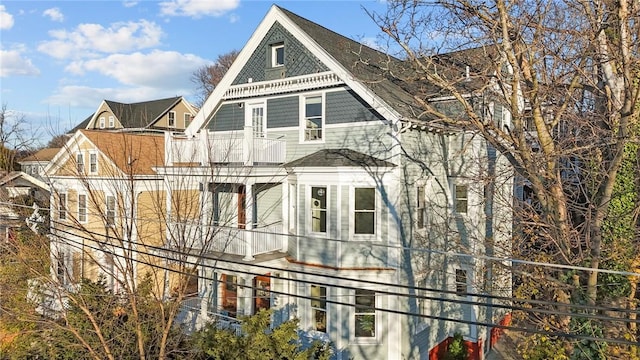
(245, 298)
(248, 219)
(286, 212)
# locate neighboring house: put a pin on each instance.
(173, 114)
(327, 198)
(308, 185)
(100, 182)
(18, 187)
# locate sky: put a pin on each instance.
(60, 59)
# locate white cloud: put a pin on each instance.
(54, 14)
(197, 8)
(6, 19)
(76, 96)
(129, 4)
(88, 39)
(12, 62)
(158, 69)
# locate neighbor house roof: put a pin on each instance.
(42, 155)
(337, 158)
(135, 154)
(135, 115)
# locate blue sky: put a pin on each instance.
(60, 59)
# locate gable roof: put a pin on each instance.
(338, 158)
(135, 115)
(15, 175)
(135, 154)
(46, 154)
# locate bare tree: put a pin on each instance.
(207, 77)
(567, 73)
(13, 137)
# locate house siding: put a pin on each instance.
(298, 60)
(228, 117)
(283, 112)
(346, 107)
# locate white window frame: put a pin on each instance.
(171, 115)
(461, 287)
(352, 212)
(83, 216)
(62, 206)
(101, 122)
(257, 133)
(310, 207)
(304, 118)
(110, 214)
(456, 198)
(80, 163)
(355, 312)
(187, 119)
(421, 209)
(319, 304)
(112, 122)
(93, 166)
(274, 54)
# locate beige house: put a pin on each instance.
(164, 114)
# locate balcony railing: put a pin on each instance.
(210, 148)
(279, 86)
(229, 240)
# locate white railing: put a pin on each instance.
(229, 240)
(279, 86)
(190, 309)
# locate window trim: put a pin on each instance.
(304, 118)
(421, 210)
(274, 55)
(352, 211)
(171, 115)
(459, 275)
(456, 198)
(93, 167)
(80, 162)
(355, 312)
(112, 122)
(249, 118)
(62, 206)
(322, 307)
(84, 213)
(187, 119)
(101, 122)
(110, 219)
(309, 206)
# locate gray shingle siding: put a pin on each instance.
(228, 117)
(346, 106)
(283, 112)
(298, 60)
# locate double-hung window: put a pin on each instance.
(319, 209)
(364, 216)
(82, 208)
(420, 207)
(62, 206)
(461, 281)
(93, 163)
(365, 314)
(313, 122)
(112, 122)
(187, 119)
(111, 210)
(319, 308)
(102, 122)
(172, 119)
(461, 198)
(80, 163)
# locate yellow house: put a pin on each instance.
(109, 209)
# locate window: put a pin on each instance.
(62, 206)
(112, 122)
(80, 163)
(365, 313)
(82, 208)
(319, 209)
(420, 208)
(319, 308)
(313, 119)
(93, 163)
(461, 281)
(111, 210)
(102, 122)
(461, 194)
(172, 119)
(187, 119)
(277, 55)
(365, 211)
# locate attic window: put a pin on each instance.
(172, 119)
(102, 123)
(112, 122)
(277, 55)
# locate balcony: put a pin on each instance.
(209, 148)
(280, 86)
(230, 240)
